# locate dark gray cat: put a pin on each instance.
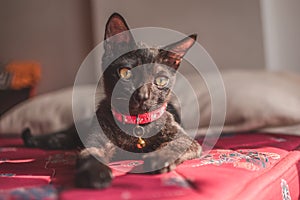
(135, 119)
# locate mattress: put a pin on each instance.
(241, 166)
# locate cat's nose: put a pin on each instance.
(143, 94)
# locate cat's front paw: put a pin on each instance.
(91, 173)
(157, 164)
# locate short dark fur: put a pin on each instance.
(94, 174)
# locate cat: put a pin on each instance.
(124, 115)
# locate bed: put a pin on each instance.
(263, 167)
(248, 161)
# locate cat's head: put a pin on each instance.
(140, 80)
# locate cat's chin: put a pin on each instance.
(139, 109)
(132, 110)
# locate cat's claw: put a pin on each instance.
(91, 173)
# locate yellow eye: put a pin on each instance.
(161, 81)
(125, 73)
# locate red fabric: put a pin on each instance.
(242, 166)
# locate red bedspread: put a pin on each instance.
(243, 166)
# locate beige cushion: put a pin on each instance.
(255, 99)
(45, 113)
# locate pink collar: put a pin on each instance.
(141, 118)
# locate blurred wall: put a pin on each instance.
(281, 34)
(59, 34)
(229, 30)
(56, 33)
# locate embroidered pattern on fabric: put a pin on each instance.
(7, 175)
(63, 158)
(42, 193)
(247, 159)
(285, 190)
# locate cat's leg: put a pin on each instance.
(171, 154)
(67, 139)
(174, 111)
(92, 169)
(174, 108)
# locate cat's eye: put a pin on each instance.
(161, 81)
(125, 73)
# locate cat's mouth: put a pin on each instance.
(141, 106)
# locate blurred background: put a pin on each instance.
(238, 34)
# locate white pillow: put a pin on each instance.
(45, 113)
(255, 99)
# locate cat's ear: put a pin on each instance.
(117, 33)
(181, 47)
(174, 52)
